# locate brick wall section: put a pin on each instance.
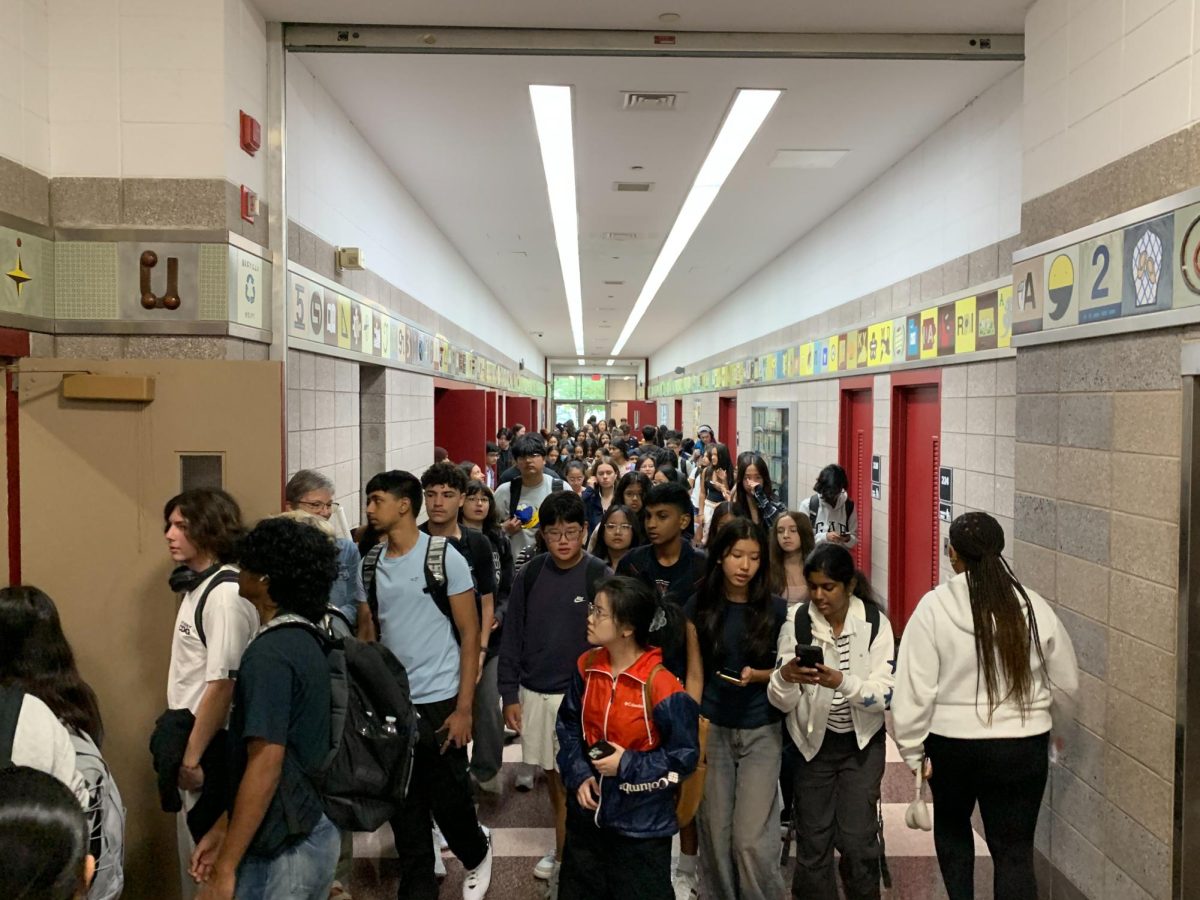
(1098, 427)
(397, 421)
(323, 424)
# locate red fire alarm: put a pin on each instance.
(250, 132)
(249, 204)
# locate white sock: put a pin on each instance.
(687, 864)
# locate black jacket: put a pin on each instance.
(168, 743)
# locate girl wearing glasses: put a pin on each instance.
(627, 734)
(619, 532)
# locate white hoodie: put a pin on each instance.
(940, 689)
(839, 518)
(867, 687)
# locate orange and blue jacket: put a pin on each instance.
(660, 742)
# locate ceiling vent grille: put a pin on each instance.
(661, 101)
(633, 187)
(614, 282)
(620, 235)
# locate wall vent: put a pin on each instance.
(650, 100)
(614, 282)
(620, 235)
(635, 187)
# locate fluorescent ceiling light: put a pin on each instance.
(746, 115)
(610, 362)
(807, 159)
(580, 362)
(552, 117)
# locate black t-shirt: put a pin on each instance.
(675, 583)
(282, 696)
(726, 704)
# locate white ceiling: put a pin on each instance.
(458, 132)
(999, 16)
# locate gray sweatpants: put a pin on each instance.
(739, 817)
(837, 801)
(487, 748)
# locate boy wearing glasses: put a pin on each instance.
(545, 632)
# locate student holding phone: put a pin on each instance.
(627, 735)
(738, 621)
(834, 687)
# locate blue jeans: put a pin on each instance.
(302, 872)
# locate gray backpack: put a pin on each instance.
(106, 819)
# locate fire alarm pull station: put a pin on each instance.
(249, 204)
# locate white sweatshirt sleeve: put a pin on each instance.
(1061, 666)
(42, 742)
(784, 695)
(916, 682)
(851, 528)
(874, 692)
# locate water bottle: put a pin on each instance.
(389, 726)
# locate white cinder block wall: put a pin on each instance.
(323, 424)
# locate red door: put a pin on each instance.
(679, 415)
(459, 424)
(727, 424)
(855, 444)
(641, 413)
(519, 411)
(914, 530)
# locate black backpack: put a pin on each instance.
(374, 729)
(514, 492)
(804, 623)
(224, 576)
(435, 580)
(532, 569)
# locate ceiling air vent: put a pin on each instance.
(620, 235)
(634, 187)
(614, 282)
(650, 100)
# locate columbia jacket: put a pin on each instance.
(661, 744)
(940, 690)
(867, 687)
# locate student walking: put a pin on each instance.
(791, 543)
(831, 510)
(546, 631)
(276, 843)
(834, 683)
(518, 499)
(979, 664)
(212, 629)
(627, 736)
(738, 621)
(436, 638)
(618, 533)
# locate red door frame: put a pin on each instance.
(727, 423)
(860, 492)
(679, 415)
(901, 383)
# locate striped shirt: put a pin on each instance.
(839, 711)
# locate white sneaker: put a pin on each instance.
(526, 776)
(476, 881)
(552, 885)
(545, 867)
(494, 785)
(439, 864)
(439, 841)
(686, 885)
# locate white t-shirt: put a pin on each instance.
(42, 742)
(230, 621)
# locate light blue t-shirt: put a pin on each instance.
(413, 627)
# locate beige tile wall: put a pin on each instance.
(323, 423)
(397, 421)
(1097, 461)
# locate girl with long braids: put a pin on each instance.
(979, 665)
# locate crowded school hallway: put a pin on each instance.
(686, 452)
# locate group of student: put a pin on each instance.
(706, 669)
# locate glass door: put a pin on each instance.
(771, 433)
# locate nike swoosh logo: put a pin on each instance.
(579, 599)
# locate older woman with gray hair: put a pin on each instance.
(311, 492)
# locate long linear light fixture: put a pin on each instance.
(553, 119)
(746, 115)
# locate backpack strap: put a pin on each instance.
(369, 564)
(873, 617)
(592, 575)
(529, 576)
(11, 699)
(814, 505)
(648, 688)
(803, 625)
(436, 580)
(225, 576)
(514, 495)
(556, 485)
(849, 510)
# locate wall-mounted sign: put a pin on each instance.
(876, 478)
(251, 289)
(946, 494)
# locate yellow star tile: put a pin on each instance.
(19, 276)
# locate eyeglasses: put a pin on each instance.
(595, 612)
(614, 526)
(566, 534)
(316, 506)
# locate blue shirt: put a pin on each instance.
(348, 591)
(413, 627)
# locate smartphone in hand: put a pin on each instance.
(809, 656)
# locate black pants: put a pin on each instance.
(787, 772)
(599, 864)
(837, 802)
(439, 788)
(1007, 777)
